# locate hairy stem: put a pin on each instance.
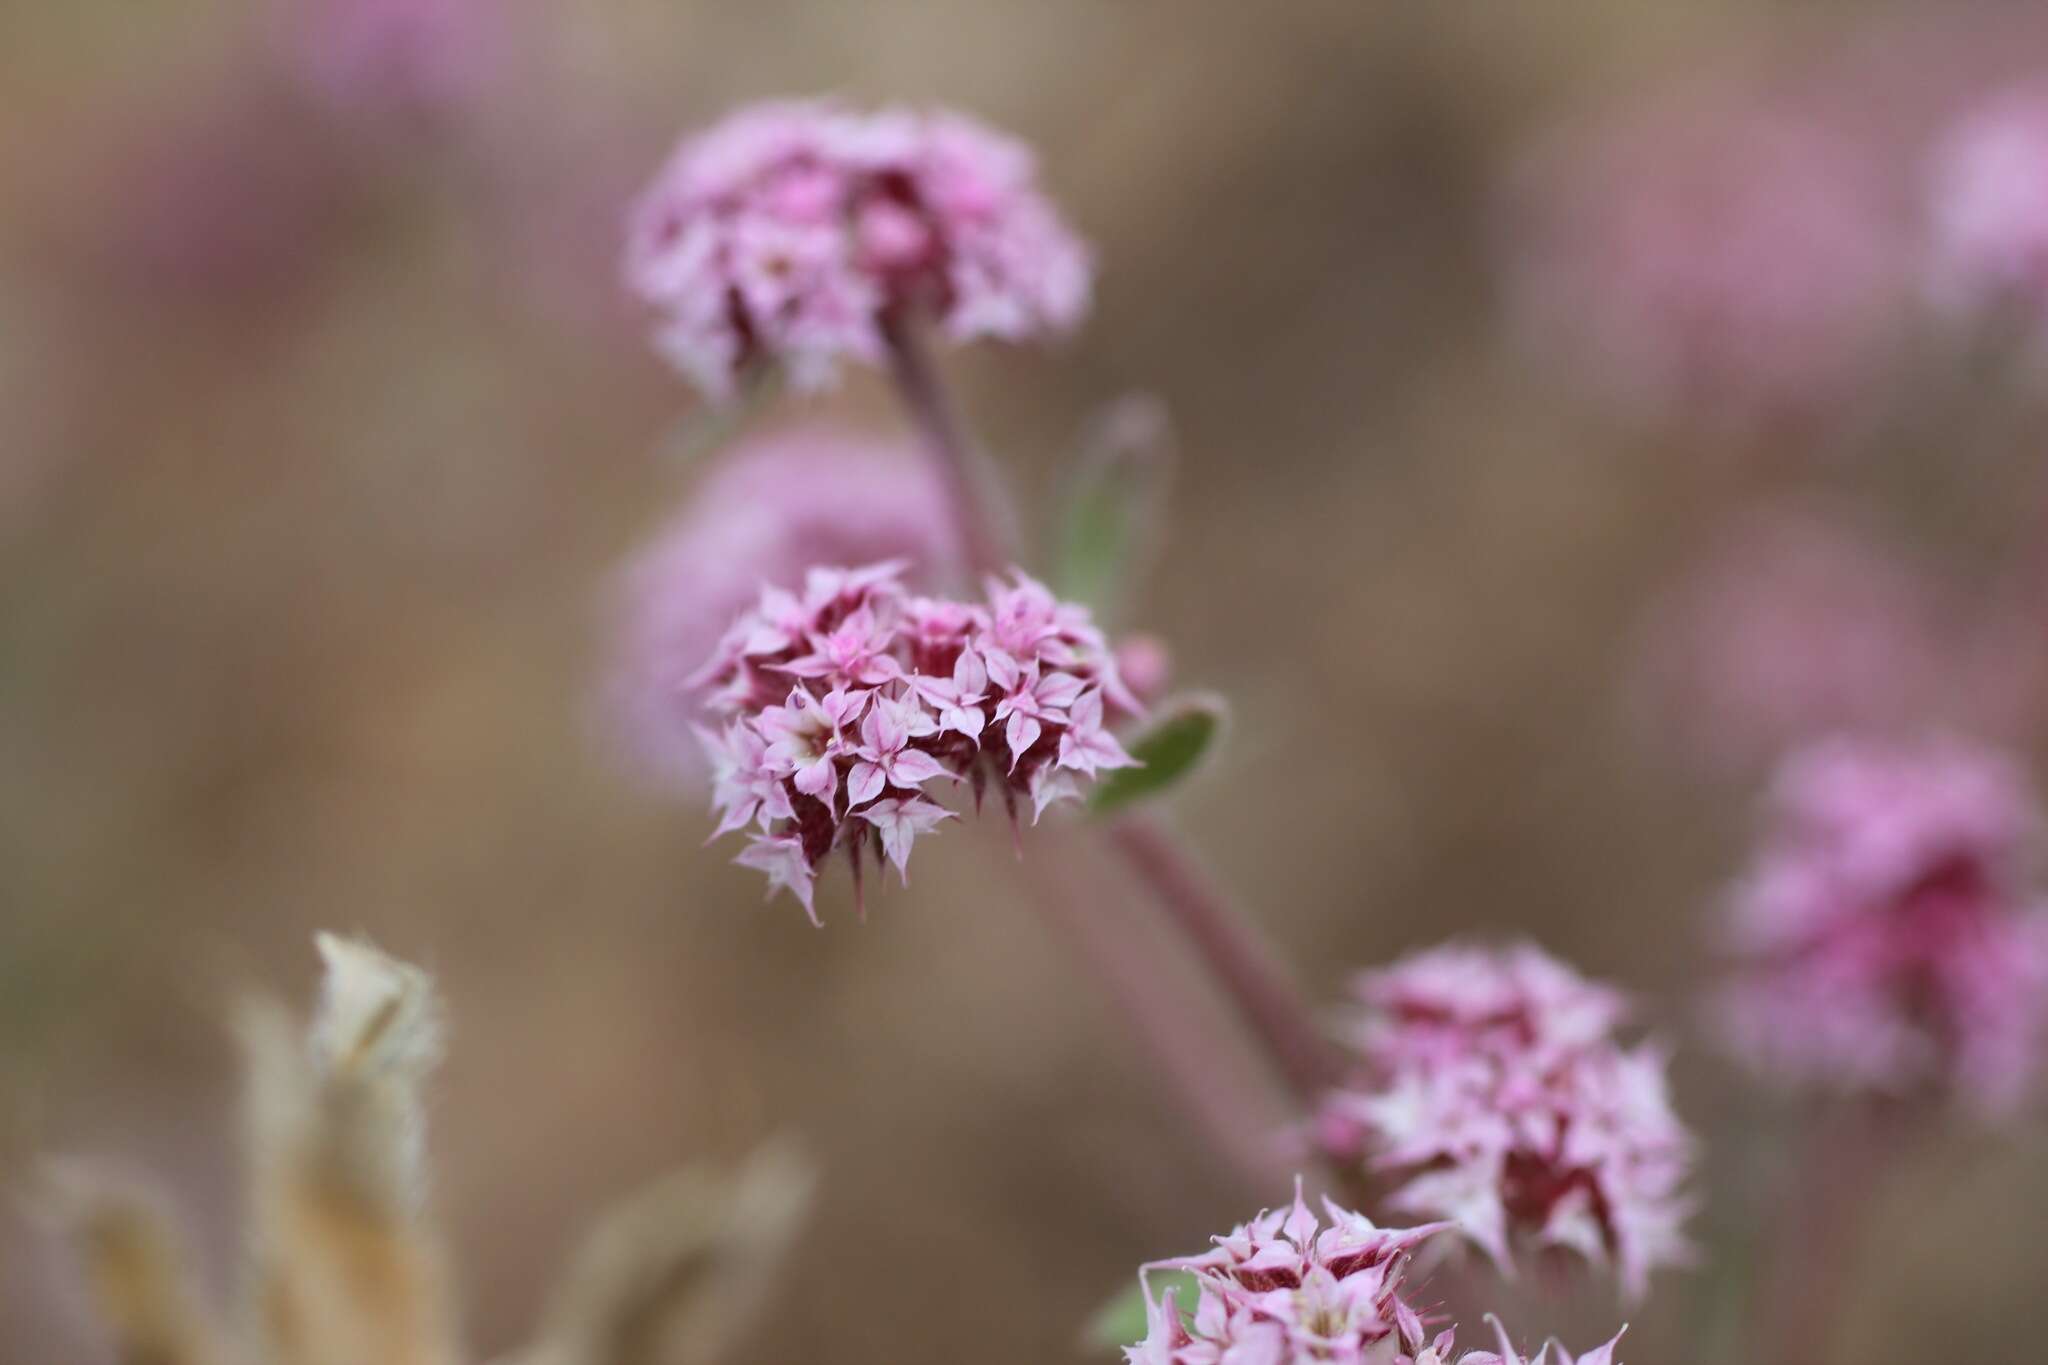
(1222, 1089)
(984, 531)
(1227, 946)
(1246, 968)
(1847, 1165)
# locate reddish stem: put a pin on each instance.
(1247, 968)
(1846, 1167)
(984, 534)
(1233, 952)
(1171, 1022)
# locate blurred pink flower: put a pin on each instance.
(1283, 1289)
(794, 232)
(1790, 627)
(1146, 664)
(836, 709)
(1989, 207)
(1439, 1352)
(217, 195)
(393, 57)
(1715, 257)
(769, 511)
(1489, 1084)
(1888, 934)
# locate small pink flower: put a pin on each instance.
(794, 233)
(899, 820)
(1087, 747)
(1031, 702)
(1283, 1289)
(836, 705)
(885, 758)
(1888, 935)
(1489, 1085)
(956, 701)
(744, 785)
(788, 866)
(855, 648)
(806, 734)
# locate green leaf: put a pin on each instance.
(1113, 506)
(1171, 746)
(1121, 1321)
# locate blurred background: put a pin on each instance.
(1566, 422)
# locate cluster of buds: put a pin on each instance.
(833, 709)
(1886, 936)
(1490, 1087)
(798, 233)
(1283, 1288)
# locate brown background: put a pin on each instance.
(302, 538)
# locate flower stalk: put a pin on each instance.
(986, 537)
(1242, 964)
(1246, 967)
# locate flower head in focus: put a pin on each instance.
(768, 512)
(1988, 215)
(796, 233)
(1490, 1087)
(835, 715)
(1887, 935)
(1283, 1289)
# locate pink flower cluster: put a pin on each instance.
(767, 512)
(1490, 1087)
(1990, 207)
(1715, 257)
(798, 233)
(836, 707)
(1793, 625)
(1887, 935)
(1282, 1288)
(395, 57)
